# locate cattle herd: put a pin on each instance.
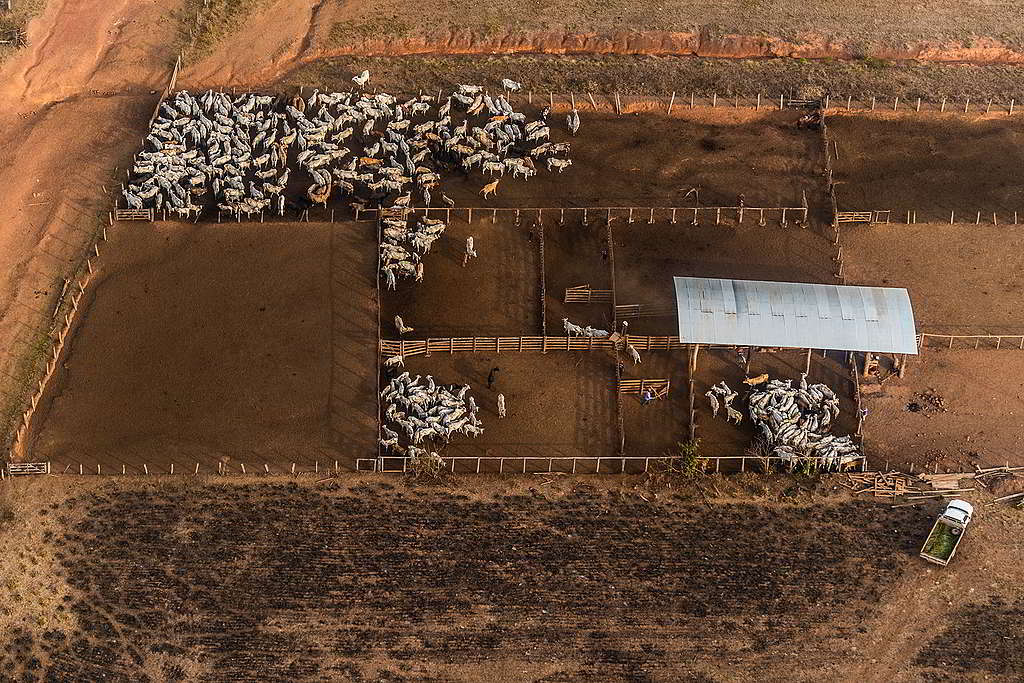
(425, 411)
(792, 423)
(236, 153)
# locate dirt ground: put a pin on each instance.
(234, 343)
(647, 257)
(625, 161)
(521, 578)
(495, 294)
(930, 164)
(958, 283)
(559, 405)
(574, 255)
(657, 428)
(976, 419)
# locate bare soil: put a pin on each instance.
(958, 283)
(980, 420)
(221, 342)
(657, 428)
(495, 294)
(929, 164)
(559, 405)
(653, 160)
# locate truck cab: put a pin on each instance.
(959, 511)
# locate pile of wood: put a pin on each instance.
(880, 483)
(987, 478)
(897, 484)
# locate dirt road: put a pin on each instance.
(72, 106)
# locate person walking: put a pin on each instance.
(647, 397)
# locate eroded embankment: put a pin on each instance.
(700, 44)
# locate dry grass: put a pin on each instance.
(12, 24)
(866, 22)
(30, 573)
(662, 75)
(220, 20)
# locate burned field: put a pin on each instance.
(221, 343)
(287, 582)
(981, 640)
(929, 164)
(958, 282)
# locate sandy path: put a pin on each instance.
(73, 105)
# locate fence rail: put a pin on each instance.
(624, 311)
(417, 347)
(134, 214)
(628, 214)
(583, 294)
(17, 469)
(400, 463)
(767, 459)
(660, 387)
(855, 216)
(975, 341)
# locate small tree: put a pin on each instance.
(689, 461)
(428, 467)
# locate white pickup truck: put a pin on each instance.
(947, 532)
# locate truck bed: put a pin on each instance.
(942, 541)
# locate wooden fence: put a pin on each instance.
(659, 387)
(627, 214)
(522, 464)
(426, 347)
(931, 215)
(134, 214)
(23, 429)
(765, 461)
(626, 311)
(583, 294)
(970, 341)
(855, 217)
(17, 469)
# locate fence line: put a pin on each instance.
(23, 430)
(172, 468)
(910, 217)
(400, 463)
(660, 387)
(632, 213)
(394, 464)
(765, 460)
(543, 284)
(996, 341)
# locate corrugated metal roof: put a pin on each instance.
(794, 315)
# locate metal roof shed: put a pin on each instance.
(794, 315)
